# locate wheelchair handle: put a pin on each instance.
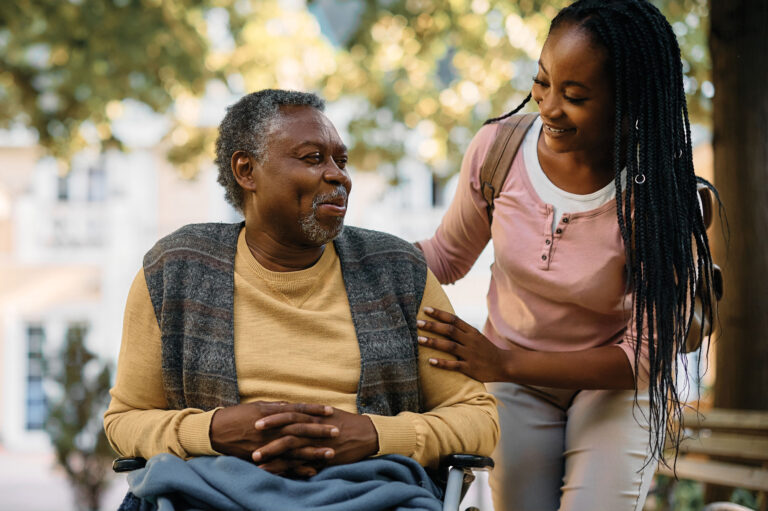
(128, 464)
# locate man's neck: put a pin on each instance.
(275, 255)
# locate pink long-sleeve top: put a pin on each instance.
(561, 289)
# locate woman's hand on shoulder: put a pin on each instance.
(476, 356)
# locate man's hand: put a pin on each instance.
(357, 439)
(242, 430)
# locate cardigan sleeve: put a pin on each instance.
(460, 416)
(137, 422)
(464, 230)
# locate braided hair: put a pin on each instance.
(658, 214)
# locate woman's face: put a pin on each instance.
(574, 91)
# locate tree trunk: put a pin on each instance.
(739, 49)
(739, 45)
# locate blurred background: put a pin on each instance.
(108, 115)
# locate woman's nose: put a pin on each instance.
(549, 105)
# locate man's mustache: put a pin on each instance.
(339, 193)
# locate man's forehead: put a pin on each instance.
(301, 113)
(301, 123)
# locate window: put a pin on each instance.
(62, 188)
(97, 184)
(36, 404)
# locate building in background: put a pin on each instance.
(70, 247)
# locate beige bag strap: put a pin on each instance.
(496, 165)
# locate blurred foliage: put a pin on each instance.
(668, 494)
(66, 64)
(78, 399)
(442, 67)
(436, 68)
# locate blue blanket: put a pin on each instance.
(226, 483)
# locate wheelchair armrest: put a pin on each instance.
(128, 463)
(456, 474)
(468, 461)
(464, 462)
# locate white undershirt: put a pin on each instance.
(560, 200)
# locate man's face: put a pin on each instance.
(302, 184)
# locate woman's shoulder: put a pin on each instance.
(478, 149)
(483, 139)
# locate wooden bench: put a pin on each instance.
(739, 440)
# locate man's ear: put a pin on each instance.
(243, 168)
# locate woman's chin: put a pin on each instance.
(557, 144)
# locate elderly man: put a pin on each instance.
(288, 340)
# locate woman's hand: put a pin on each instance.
(476, 356)
(604, 367)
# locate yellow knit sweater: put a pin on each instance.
(294, 341)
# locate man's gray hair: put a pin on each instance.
(246, 127)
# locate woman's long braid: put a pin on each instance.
(658, 212)
(511, 112)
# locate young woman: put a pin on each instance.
(591, 289)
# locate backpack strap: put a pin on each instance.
(497, 162)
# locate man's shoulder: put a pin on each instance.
(207, 231)
(365, 242)
(207, 238)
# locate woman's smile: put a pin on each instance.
(554, 132)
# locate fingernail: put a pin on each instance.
(422, 340)
(328, 454)
(433, 361)
(421, 322)
(259, 424)
(334, 431)
(328, 410)
(429, 310)
(256, 456)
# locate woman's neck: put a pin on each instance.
(579, 172)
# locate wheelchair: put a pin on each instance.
(456, 472)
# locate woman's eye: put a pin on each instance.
(575, 101)
(539, 82)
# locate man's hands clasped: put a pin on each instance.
(293, 439)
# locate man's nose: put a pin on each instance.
(335, 174)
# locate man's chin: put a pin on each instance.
(317, 234)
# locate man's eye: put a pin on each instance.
(313, 158)
(341, 162)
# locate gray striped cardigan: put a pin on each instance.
(190, 277)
